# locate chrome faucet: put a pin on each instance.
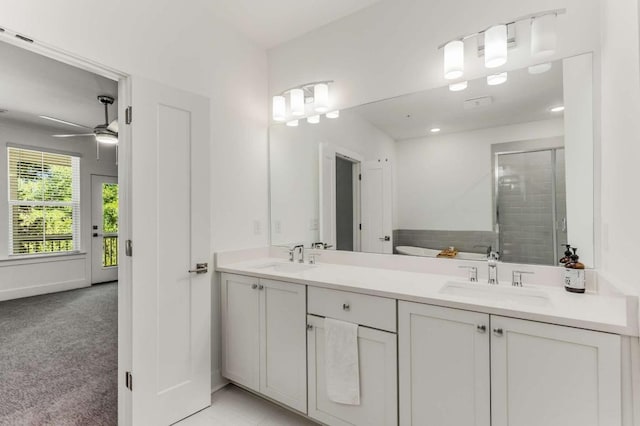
(297, 253)
(492, 261)
(516, 278)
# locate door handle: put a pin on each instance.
(201, 268)
(95, 234)
(385, 238)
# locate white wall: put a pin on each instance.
(184, 46)
(294, 163)
(620, 97)
(444, 182)
(20, 278)
(390, 48)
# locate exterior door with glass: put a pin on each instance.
(104, 229)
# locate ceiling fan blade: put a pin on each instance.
(72, 136)
(113, 126)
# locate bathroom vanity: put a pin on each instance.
(434, 348)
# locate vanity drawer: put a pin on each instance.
(371, 311)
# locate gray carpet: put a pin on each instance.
(59, 358)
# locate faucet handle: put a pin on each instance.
(473, 272)
(516, 277)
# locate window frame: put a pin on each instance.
(74, 204)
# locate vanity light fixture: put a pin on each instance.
(494, 42)
(558, 108)
(457, 87)
(543, 35)
(279, 108)
(454, 59)
(495, 46)
(303, 101)
(313, 119)
(435, 130)
(540, 68)
(292, 123)
(496, 79)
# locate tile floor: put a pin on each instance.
(232, 406)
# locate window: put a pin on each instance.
(44, 202)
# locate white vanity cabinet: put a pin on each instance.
(264, 337)
(377, 357)
(457, 366)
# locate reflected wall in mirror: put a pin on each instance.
(444, 173)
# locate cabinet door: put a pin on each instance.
(241, 330)
(283, 343)
(444, 366)
(377, 352)
(543, 374)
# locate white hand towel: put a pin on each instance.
(342, 370)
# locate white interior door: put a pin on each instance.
(171, 308)
(327, 191)
(104, 229)
(377, 207)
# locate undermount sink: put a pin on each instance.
(497, 293)
(288, 267)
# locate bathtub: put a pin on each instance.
(427, 252)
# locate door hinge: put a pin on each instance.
(360, 226)
(128, 115)
(360, 176)
(128, 380)
(128, 248)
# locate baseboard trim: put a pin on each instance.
(36, 290)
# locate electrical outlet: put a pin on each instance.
(257, 227)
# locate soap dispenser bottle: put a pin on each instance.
(574, 281)
(567, 255)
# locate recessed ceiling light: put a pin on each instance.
(558, 108)
(314, 119)
(57, 120)
(435, 130)
(540, 68)
(495, 79)
(456, 87)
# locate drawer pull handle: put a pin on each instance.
(497, 331)
(481, 328)
(254, 286)
(346, 307)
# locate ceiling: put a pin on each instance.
(33, 85)
(523, 98)
(270, 23)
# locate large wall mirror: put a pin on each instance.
(505, 167)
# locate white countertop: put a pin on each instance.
(588, 311)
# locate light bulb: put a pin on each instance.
(297, 102)
(543, 35)
(495, 46)
(314, 119)
(333, 114)
(495, 79)
(279, 108)
(321, 97)
(456, 87)
(454, 59)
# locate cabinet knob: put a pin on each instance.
(309, 327)
(346, 307)
(498, 331)
(260, 287)
(481, 328)
(254, 286)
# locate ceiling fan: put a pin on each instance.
(106, 133)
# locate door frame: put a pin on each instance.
(124, 191)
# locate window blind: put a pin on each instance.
(44, 201)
